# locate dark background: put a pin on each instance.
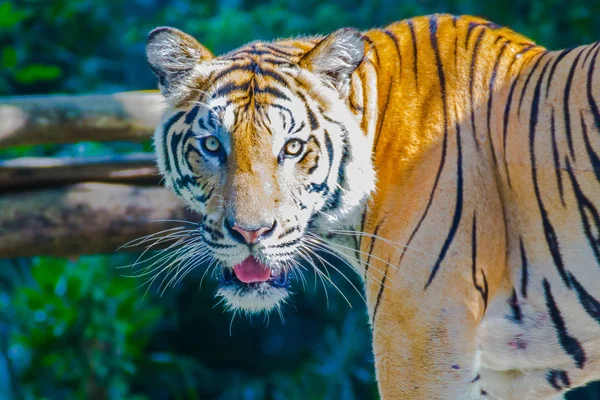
(76, 328)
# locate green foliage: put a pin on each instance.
(93, 45)
(79, 331)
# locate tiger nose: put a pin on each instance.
(250, 236)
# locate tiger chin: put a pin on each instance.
(453, 163)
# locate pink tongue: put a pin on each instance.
(250, 270)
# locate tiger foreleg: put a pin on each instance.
(428, 352)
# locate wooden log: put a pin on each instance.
(30, 120)
(87, 218)
(27, 172)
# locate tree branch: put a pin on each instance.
(87, 218)
(27, 172)
(31, 120)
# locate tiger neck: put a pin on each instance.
(427, 85)
(421, 78)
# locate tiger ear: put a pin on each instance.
(172, 56)
(336, 57)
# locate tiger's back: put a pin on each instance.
(492, 186)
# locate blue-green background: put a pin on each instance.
(78, 329)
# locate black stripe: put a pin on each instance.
(252, 67)
(361, 227)
(312, 118)
(314, 123)
(165, 135)
(246, 53)
(507, 115)
(333, 121)
(373, 239)
(372, 46)
(414, 45)
(564, 378)
(278, 50)
(287, 244)
(323, 187)
(459, 175)
(471, 82)
(482, 290)
(334, 200)
(329, 148)
(490, 99)
(586, 211)
(552, 377)
(292, 120)
(549, 233)
(380, 292)
(215, 234)
(591, 50)
(312, 169)
(231, 87)
(395, 40)
(204, 197)
(554, 65)
(192, 149)
(556, 158)
(588, 147)
(192, 114)
(591, 101)
(383, 114)
(470, 29)
(272, 91)
(185, 181)
(202, 125)
(513, 302)
(589, 303)
(524, 90)
(455, 52)
(289, 231)
(300, 127)
(217, 245)
(524, 269)
(566, 112)
(174, 145)
(569, 344)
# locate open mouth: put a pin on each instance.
(253, 287)
(252, 274)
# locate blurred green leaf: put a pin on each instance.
(9, 16)
(37, 72)
(8, 59)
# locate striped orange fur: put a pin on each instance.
(452, 162)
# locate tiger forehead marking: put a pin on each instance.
(450, 161)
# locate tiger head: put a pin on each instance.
(262, 143)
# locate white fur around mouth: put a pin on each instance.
(260, 297)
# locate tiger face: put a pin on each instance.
(262, 143)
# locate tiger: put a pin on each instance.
(452, 163)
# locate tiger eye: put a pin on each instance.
(212, 144)
(293, 147)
